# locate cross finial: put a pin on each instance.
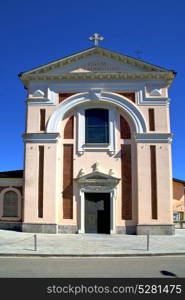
(96, 37)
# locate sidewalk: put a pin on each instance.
(22, 244)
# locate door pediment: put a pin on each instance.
(97, 178)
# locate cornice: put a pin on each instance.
(86, 76)
(40, 101)
(41, 72)
(153, 138)
(41, 137)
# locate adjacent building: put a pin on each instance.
(178, 200)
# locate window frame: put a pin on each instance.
(82, 146)
(2, 193)
(105, 126)
(5, 208)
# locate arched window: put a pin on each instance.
(10, 204)
(96, 126)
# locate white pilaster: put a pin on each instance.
(82, 213)
(113, 212)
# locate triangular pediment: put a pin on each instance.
(97, 60)
(97, 63)
(96, 176)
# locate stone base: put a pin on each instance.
(39, 228)
(126, 229)
(162, 229)
(48, 228)
(16, 226)
(67, 229)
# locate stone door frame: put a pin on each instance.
(93, 189)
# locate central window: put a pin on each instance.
(97, 126)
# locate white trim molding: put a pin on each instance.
(153, 138)
(97, 98)
(49, 97)
(82, 146)
(143, 99)
(39, 101)
(41, 137)
(51, 90)
(108, 98)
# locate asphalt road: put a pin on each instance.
(138, 267)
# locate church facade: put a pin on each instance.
(97, 147)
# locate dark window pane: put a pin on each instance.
(97, 127)
(10, 205)
(97, 117)
(97, 135)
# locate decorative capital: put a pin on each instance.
(95, 94)
(111, 172)
(38, 94)
(81, 173)
(96, 166)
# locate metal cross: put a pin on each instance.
(96, 37)
(138, 53)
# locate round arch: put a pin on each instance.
(97, 97)
(19, 197)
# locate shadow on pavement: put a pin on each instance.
(166, 273)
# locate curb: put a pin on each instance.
(90, 255)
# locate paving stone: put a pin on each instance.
(89, 244)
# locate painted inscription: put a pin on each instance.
(98, 66)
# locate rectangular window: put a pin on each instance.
(153, 182)
(96, 126)
(42, 119)
(41, 181)
(151, 119)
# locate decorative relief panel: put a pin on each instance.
(97, 188)
(38, 94)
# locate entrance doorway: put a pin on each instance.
(97, 213)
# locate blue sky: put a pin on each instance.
(36, 32)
